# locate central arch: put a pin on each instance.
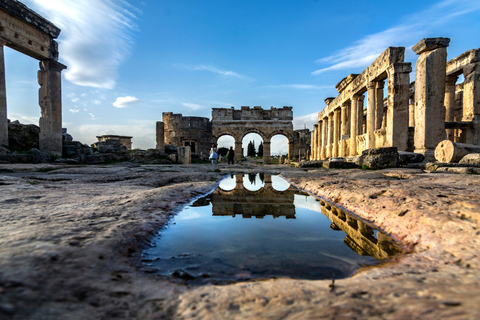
(266, 123)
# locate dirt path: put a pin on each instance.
(71, 239)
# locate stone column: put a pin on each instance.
(371, 106)
(398, 104)
(450, 104)
(379, 104)
(430, 74)
(471, 99)
(343, 127)
(160, 136)
(324, 139)
(336, 131)
(319, 140)
(411, 112)
(360, 114)
(266, 152)
(291, 149)
(314, 141)
(330, 136)
(3, 102)
(50, 100)
(238, 150)
(354, 125)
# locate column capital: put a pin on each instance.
(370, 85)
(429, 44)
(380, 84)
(451, 80)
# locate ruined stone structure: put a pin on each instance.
(301, 143)
(412, 117)
(27, 32)
(124, 140)
(266, 123)
(177, 130)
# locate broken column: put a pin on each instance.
(160, 136)
(471, 98)
(450, 104)
(430, 78)
(50, 100)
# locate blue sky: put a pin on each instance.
(129, 61)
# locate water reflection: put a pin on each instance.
(241, 232)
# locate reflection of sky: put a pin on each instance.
(280, 184)
(228, 183)
(307, 202)
(257, 184)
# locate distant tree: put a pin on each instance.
(260, 149)
(251, 149)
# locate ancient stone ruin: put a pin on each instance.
(412, 117)
(27, 32)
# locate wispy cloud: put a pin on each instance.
(96, 37)
(74, 110)
(124, 102)
(299, 86)
(415, 27)
(192, 106)
(212, 69)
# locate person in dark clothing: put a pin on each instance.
(231, 156)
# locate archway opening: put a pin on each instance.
(279, 147)
(224, 143)
(252, 145)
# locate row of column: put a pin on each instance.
(50, 101)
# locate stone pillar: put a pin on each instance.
(336, 131)
(3, 102)
(330, 136)
(398, 105)
(160, 136)
(324, 138)
(354, 125)
(371, 106)
(319, 140)
(471, 99)
(450, 104)
(50, 100)
(379, 104)
(343, 127)
(266, 152)
(238, 150)
(291, 148)
(430, 74)
(360, 114)
(314, 141)
(411, 112)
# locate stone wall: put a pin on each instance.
(124, 140)
(195, 132)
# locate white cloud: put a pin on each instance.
(299, 86)
(75, 110)
(92, 116)
(210, 68)
(95, 39)
(416, 26)
(124, 102)
(192, 106)
(306, 121)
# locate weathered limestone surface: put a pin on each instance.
(448, 151)
(73, 236)
(380, 158)
(472, 158)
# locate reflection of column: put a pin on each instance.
(379, 104)
(3, 102)
(238, 150)
(430, 74)
(266, 152)
(50, 99)
(239, 182)
(450, 104)
(371, 104)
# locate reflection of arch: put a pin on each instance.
(266, 123)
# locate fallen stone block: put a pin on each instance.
(380, 158)
(472, 158)
(339, 165)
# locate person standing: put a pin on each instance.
(231, 156)
(213, 155)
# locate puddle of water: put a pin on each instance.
(258, 227)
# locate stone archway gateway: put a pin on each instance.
(27, 32)
(266, 123)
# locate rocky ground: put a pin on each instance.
(71, 239)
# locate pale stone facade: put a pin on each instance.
(27, 32)
(266, 123)
(412, 117)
